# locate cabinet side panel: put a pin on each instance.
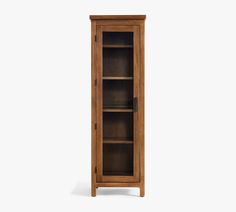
(93, 107)
(142, 109)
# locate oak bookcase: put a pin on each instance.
(117, 101)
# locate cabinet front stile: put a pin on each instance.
(99, 104)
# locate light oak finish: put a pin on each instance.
(117, 101)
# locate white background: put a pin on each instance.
(45, 106)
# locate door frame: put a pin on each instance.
(136, 71)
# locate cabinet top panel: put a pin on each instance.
(117, 17)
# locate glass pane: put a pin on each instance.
(118, 160)
(117, 126)
(118, 62)
(118, 54)
(118, 94)
(118, 38)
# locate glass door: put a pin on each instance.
(118, 103)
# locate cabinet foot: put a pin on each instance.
(93, 191)
(142, 191)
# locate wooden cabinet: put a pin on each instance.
(117, 101)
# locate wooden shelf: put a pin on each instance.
(117, 141)
(117, 46)
(127, 110)
(117, 78)
(117, 109)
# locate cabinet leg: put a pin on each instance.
(93, 191)
(142, 190)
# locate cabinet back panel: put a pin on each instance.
(118, 93)
(118, 62)
(118, 125)
(118, 159)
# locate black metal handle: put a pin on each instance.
(135, 104)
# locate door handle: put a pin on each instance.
(135, 104)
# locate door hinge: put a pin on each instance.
(95, 38)
(95, 170)
(95, 126)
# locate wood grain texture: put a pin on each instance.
(93, 107)
(118, 125)
(136, 95)
(117, 160)
(117, 17)
(141, 112)
(107, 184)
(118, 142)
(118, 62)
(119, 22)
(118, 93)
(99, 114)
